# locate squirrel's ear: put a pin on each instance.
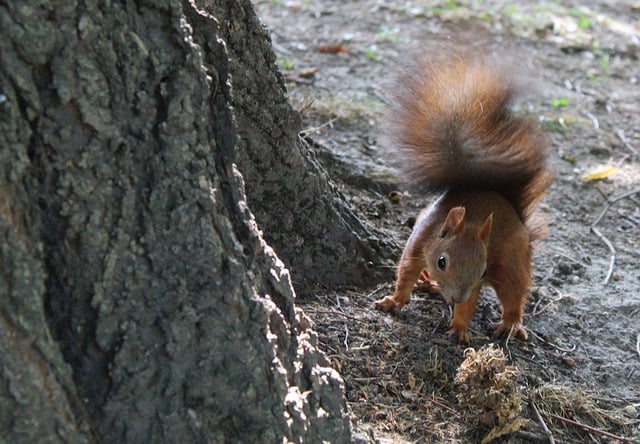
(454, 223)
(485, 230)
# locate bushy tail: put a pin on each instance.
(453, 126)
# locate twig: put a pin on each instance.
(625, 141)
(597, 232)
(438, 403)
(535, 311)
(304, 133)
(566, 256)
(506, 343)
(594, 120)
(375, 290)
(611, 202)
(588, 428)
(612, 250)
(543, 424)
(557, 347)
(638, 344)
(346, 338)
(333, 312)
(624, 196)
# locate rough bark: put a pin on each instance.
(300, 211)
(125, 233)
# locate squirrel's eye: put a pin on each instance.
(442, 263)
(484, 274)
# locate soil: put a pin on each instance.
(582, 360)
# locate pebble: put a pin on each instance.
(631, 411)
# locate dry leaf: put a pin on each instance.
(601, 172)
(334, 49)
(307, 73)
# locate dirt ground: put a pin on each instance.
(580, 367)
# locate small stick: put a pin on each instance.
(624, 195)
(625, 141)
(557, 347)
(438, 403)
(304, 133)
(535, 307)
(594, 120)
(589, 428)
(334, 312)
(375, 290)
(346, 338)
(535, 311)
(638, 344)
(543, 424)
(612, 250)
(506, 344)
(566, 256)
(597, 232)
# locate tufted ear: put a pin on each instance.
(485, 230)
(454, 223)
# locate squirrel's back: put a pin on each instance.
(454, 128)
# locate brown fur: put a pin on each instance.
(453, 125)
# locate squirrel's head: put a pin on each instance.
(458, 261)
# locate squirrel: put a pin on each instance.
(456, 133)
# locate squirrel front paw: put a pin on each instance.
(387, 304)
(426, 284)
(461, 336)
(510, 328)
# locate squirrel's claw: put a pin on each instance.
(426, 284)
(461, 337)
(511, 329)
(387, 304)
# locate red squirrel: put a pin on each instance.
(453, 126)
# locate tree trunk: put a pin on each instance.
(125, 232)
(300, 211)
